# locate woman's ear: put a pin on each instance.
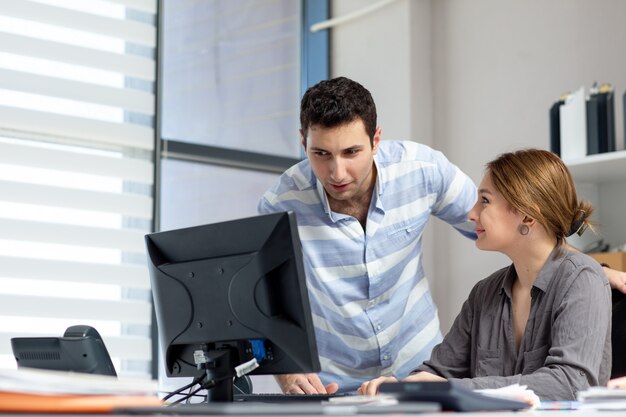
(529, 221)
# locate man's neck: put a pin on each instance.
(357, 207)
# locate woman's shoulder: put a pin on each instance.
(574, 261)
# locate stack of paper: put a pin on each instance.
(602, 398)
(63, 392)
(513, 392)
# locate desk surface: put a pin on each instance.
(531, 413)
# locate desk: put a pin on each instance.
(532, 413)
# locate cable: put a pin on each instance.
(195, 381)
(203, 386)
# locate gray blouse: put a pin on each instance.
(566, 346)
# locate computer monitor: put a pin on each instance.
(228, 292)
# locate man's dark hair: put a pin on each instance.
(332, 103)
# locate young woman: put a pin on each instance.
(544, 321)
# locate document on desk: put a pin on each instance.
(602, 398)
(37, 391)
(514, 392)
(35, 381)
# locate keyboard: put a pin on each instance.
(283, 398)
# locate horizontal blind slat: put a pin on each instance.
(124, 168)
(128, 99)
(94, 131)
(131, 31)
(130, 65)
(125, 347)
(134, 312)
(128, 276)
(126, 204)
(31, 231)
(148, 6)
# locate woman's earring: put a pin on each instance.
(523, 229)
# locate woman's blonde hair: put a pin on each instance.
(537, 183)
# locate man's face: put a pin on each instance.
(342, 159)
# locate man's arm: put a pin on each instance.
(617, 279)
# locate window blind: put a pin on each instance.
(77, 114)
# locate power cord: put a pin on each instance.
(203, 386)
(195, 381)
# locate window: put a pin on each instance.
(77, 82)
(233, 75)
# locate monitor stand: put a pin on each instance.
(219, 366)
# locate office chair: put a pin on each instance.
(618, 335)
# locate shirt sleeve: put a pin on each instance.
(451, 357)
(264, 206)
(456, 195)
(578, 339)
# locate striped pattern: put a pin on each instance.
(371, 304)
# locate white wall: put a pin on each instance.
(475, 78)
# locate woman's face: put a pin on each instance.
(497, 223)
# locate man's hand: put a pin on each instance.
(304, 384)
(617, 279)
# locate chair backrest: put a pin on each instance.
(618, 335)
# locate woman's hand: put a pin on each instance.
(423, 377)
(371, 387)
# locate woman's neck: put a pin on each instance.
(529, 259)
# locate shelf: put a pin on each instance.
(599, 168)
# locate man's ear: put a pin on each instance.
(376, 140)
(302, 139)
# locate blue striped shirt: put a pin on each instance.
(370, 301)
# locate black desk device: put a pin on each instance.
(451, 397)
(81, 349)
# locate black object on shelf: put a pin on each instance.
(555, 127)
(600, 120)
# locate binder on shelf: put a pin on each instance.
(573, 126)
(600, 120)
(555, 126)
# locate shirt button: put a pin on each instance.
(378, 327)
(386, 357)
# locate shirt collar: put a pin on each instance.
(324, 199)
(545, 275)
(380, 176)
(549, 268)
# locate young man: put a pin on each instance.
(362, 206)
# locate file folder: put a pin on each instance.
(573, 126)
(555, 127)
(600, 120)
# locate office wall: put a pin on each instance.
(476, 78)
